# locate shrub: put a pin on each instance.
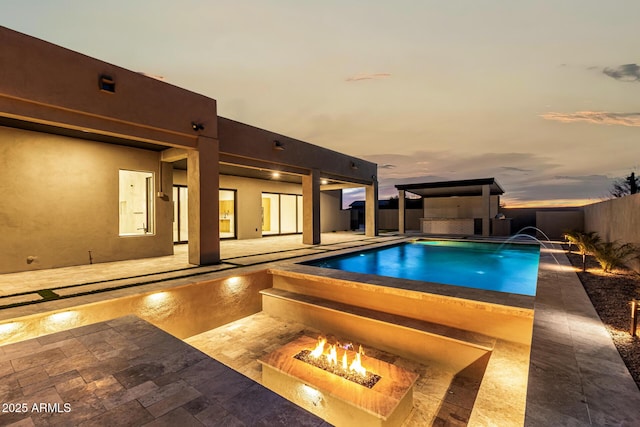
(587, 243)
(612, 255)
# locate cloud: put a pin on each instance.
(514, 169)
(596, 117)
(624, 73)
(367, 76)
(526, 177)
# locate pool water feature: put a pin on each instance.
(509, 268)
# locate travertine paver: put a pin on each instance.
(441, 397)
(130, 373)
(576, 376)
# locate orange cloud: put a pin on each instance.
(596, 117)
(365, 76)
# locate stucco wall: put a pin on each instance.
(615, 219)
(458, 207)
(53, 85)
(60, 200)
(388, 219)
(332, 216)
(182, 311)
(249, 203)
(555, 223)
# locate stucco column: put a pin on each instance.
(486, 210)
(203, 185)
(311, 208)
(401, 212)
(371, 209)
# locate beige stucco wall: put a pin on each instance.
(458, 207)
(332, 216)
(241, 143)
(388, 219)
(616, 220)
(182, 311)
(52, 85)
(249, 203)
(60, 201)
(555, 224)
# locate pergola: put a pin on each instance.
(482, 189)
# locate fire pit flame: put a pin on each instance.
(356, 365)
(332, 356)
(328, 361)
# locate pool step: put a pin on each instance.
(407, 337)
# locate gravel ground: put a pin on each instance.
(610, 294)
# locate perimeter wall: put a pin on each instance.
(616, 220)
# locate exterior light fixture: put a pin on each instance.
(278, 146)
(324, 182)
(275, 175)
(197, 126)
(354, 166)
(634, 317)
(106, 84)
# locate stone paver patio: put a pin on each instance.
(576, 376)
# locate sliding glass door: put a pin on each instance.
(227, 215)
(281, 213)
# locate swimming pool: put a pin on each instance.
(511, 268)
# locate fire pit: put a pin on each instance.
(328, 361)
(339, 384)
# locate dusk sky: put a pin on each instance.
(542, 95)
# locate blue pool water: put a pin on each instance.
(509, 268)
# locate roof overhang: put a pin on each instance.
(467, 187)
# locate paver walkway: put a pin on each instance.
(126, 372)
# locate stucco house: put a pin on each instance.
(99, 163)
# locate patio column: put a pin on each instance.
(371, 209)
(401, 212)
(311, 208)
(203, 191)
(486, 210)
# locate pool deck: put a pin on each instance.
(576, 376)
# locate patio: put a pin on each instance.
(576, 376)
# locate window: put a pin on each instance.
(137, 210)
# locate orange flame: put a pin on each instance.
(317, 352)
(332, 356)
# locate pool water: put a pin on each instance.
(511, 268)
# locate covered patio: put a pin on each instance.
(465, 207)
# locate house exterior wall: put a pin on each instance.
(249, 198)
(52, 85)
(458, 207)
(332, 216)
(50, 91)
(61, 200)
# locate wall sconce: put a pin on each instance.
(354, 166)
(106, 84)
(197, 126)
(277, 145)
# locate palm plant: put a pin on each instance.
(612, 255)
(586, 242)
